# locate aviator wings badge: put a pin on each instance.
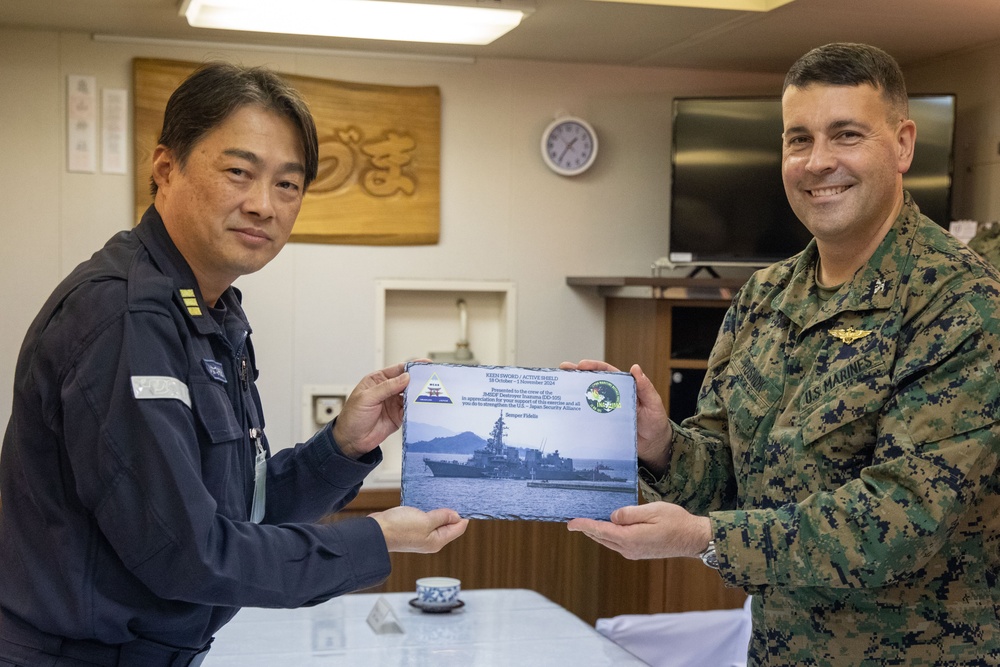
(849, 335)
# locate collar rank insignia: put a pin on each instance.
(191, 302)
(848, 335)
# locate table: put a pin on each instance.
(499, 627)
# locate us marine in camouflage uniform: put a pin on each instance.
(845, 452)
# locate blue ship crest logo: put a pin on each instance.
(433, 392)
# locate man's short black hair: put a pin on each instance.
(846, 64)
(214, 91)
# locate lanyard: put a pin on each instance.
(259, 476)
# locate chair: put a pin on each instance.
(716, 638)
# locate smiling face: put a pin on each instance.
(230, 208)
(844, 153)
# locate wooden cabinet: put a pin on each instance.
(668, 326)
(668, 329)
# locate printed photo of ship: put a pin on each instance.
(498, 461)
(502, 481)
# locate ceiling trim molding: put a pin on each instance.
(735, 5)
(243, 46)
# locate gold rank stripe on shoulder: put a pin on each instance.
(849, 335)
(191, 301)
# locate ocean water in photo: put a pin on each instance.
(483, 498)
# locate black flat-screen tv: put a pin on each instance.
(727, 203)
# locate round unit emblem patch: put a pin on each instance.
(603, 396)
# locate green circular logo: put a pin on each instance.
(603, 396)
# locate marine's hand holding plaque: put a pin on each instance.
(519, 443)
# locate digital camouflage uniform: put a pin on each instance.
(852, 486)
(987, 244)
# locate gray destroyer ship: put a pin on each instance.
(499, 461)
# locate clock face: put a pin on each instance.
(569, 146)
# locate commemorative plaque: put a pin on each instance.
(519, 443)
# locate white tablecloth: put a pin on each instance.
(502, 627)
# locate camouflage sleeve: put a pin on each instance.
(699, 475)
(937, 446)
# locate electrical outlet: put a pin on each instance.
(325, 408)
(320, 404)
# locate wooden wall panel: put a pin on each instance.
(379, 179)
(638, 331)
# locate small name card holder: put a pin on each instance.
(382, 618)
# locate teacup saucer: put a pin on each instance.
(436, 608)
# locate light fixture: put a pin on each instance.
(462, 22)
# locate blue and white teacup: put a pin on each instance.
(438, 591)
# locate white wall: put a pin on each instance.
(504, 216)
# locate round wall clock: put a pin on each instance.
(569, 146)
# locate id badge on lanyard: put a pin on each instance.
(259, 476)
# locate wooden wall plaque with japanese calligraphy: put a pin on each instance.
(379, 156)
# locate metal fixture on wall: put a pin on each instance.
(462, 354)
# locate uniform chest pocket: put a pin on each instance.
(214, 411)
(840, 426)
(224, 459)
(846, 393)
(750, 402)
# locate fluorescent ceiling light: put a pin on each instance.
(739, 5)
(363, 19)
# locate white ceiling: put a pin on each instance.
(584, 31)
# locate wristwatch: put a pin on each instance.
(708, 556)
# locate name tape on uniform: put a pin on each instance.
(160, 386)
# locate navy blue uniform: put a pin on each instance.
(127, 470)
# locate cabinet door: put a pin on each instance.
(693, 327)
(685, 383)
